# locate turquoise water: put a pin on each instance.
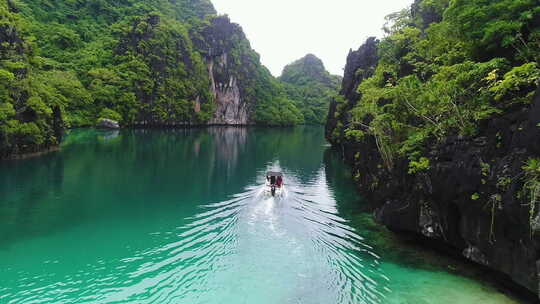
(150, 216)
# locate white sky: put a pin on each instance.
(282, 31)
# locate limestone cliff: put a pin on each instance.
(365, 60)
(311, 87)
(307, 70)
(230, 109)
(239, 82)
(472, 197)
(447, 147)
(141, 63)
(221, 39)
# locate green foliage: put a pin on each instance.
(311, 87)
(160, 68)
(444, 67)
(306, 71)
(110, 114)
(475, 196)
(354, 135)
(532, 168)
(531, 188)
(421, 165)
(83, 67)
(69, 63)
(496, 28)
(278, 112)
(234, 60)
(518, 84)
(504, 182)
(312, 99)
(485, 169)
(27, 105)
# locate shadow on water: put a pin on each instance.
(180, 216)
(408, 250)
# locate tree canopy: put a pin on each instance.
(70, 63)
(311, 87)
(444, 67)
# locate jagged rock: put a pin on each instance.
(474, 254)
(428, 221)
(489, 165)
(230, 76)
(105, 123)
(360, 65)
(231, 109)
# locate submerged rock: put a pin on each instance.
(105, 123)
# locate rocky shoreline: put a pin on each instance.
(471, 197)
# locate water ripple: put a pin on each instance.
(249, 248)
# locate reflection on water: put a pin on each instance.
(180, 216)
(231, 144)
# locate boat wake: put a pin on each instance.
(251, 248)
(293, 249)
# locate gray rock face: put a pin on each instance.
(365, 59)
(230, 109)
(474, 254)
(428, 221)
(234, 71)
(105, 123)
(499, 228)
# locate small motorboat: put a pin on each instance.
(274, 183)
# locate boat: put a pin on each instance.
(274, 183)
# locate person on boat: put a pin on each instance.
(272, 180)
(279, 181)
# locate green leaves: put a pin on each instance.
(128, 61)
(439, 79)
(518, 84)
(278, 111)
(110, 114)
(532, 168)
(6, 111)
(6, 76)
(493, 27)
(531, 187)
(419, 166)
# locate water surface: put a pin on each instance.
(179, 216)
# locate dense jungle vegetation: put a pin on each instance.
(311, 87)
(70, 63)
(443, 68)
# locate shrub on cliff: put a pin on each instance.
(145, 60)
(311, 87)
(29, 108)
(443, 76)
